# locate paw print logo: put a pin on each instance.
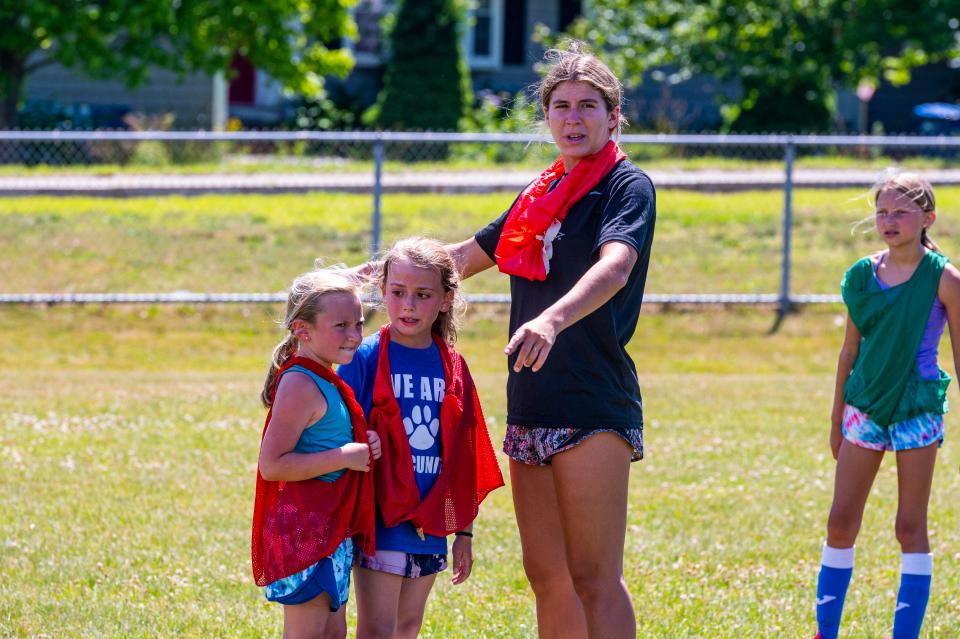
(421, 427)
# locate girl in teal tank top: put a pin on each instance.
(331, 431)
(310, 436)
(882, 400)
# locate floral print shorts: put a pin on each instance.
(405, 564)
(535, 446)
(916, 432)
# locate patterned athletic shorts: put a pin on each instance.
(330, 575)
(917, 432)
(535, 446)
(401, 563)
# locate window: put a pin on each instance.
(484, 34)
(482, 38)
(368, 47)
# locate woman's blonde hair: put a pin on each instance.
(304, 302)
(575, 64)
(430, 254)
(914, 187)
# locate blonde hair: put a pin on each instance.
(304, 302)
(917, 189)
(575, 64)
(430, 254)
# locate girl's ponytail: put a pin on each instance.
(930, 244)
(281, 355)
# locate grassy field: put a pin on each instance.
(705, 242)
(129, 435)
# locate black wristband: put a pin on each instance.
(463, 533)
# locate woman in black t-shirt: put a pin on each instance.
(576, 243)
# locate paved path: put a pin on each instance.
(120, 185)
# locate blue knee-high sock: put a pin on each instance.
(915, 573)
(836, 568)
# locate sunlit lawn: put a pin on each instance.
(705, 242)
(129, 435)
(129, 441)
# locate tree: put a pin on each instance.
(124, 39)
(789, 56)
(426, 84)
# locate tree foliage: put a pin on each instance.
(426, 85)
(124, 39)
(789, 56)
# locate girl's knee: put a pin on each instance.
(335, 630)
(911, 534)
(409, 627)
(842, 530)
(376, 629)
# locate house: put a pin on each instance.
(501, 55)
(497, 41)
(102, 103)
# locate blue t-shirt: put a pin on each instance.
(333, 430)
(418, 384)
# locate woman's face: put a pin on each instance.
(579, 120)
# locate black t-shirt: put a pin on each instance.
(588, 379)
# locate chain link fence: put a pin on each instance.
(126, 163)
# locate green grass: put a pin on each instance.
(705, 242)
(129, 439)
(129, 435)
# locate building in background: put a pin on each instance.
(500, 53)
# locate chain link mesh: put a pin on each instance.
(385, 166)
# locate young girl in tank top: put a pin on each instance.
(890, 396)
(314, 489)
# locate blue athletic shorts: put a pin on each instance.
(330, 575)
(916, 432)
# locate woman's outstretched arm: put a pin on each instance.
(601, 282)
(470, 258)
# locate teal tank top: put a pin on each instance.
(333, 430)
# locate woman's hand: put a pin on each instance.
(533, 340)
(462, 558)
(599, 284)
(374, 443)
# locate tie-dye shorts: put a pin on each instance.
(330, 575)
(535, 446)
(916, 432)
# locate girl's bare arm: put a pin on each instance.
(297, 405)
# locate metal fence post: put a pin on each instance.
(378, 153)
(789, 156)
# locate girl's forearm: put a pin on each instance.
(294, 466)
(844, 367)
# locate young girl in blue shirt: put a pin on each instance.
(419, 397)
